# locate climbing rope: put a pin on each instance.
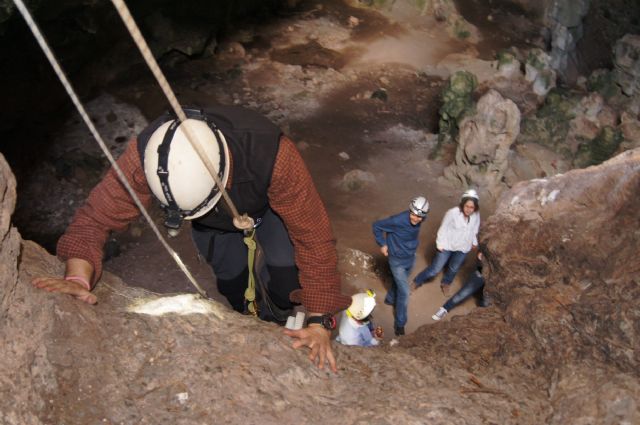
(250, 292)
(83, 113)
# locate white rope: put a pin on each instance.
(242, 222)
(65, 82)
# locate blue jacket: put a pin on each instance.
(398, 234)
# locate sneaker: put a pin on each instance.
(439, 314)
(446, 290)
(399, 330)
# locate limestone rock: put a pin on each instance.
(484, 141)
(356, 179)
(532, 161)
(627, 63)
(564, 18)
(9, 237)
(630, 128)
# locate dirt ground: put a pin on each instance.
(351, 87)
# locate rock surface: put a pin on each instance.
(484, 142)
(560, 345)
(627, 63)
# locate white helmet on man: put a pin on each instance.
(176, 174)
(419, 206)
(362, 305)
(471, 193)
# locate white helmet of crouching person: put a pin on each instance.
(362, 305)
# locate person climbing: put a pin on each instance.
(356, 324)
(473, 286)
(397, 237)
(264, 176)
(457, 235)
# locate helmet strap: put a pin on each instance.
(173, 214)
(173, 217)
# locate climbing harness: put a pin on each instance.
(242, 222)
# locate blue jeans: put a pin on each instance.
(398, 294)
(473, 286)
(455, 260)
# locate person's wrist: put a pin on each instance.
(80, 279)
(325, 321)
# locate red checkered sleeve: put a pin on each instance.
(294, 197)
(109, 207)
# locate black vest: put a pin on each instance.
(253, 141)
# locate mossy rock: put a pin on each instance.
(456, 100)
(603, 82)
(461, 29)
(551, 123)
(504, 57)
(601, 148)
(535, 59)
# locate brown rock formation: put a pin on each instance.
(560, 346)
(564, 270)
(484, 141)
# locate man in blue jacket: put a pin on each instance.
(398, 239)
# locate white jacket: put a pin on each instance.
(456, 233)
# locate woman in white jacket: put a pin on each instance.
(457, 235)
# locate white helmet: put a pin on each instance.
(419, 206)
(176, 174)
(471, 193)
(362, 305)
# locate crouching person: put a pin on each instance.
(356, 326)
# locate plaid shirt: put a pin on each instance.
(292, 195)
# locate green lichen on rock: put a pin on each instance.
(505, 57)
(603, 81)
(456, 100)
(461, 29)
(535, 59)
(601, 148)
(550, 124)
(381, 4)
(374, 3)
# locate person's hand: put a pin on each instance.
(439, 248)
(71, 287)
(385, 250)
(378, 332)
(480, 256)
(318, 339)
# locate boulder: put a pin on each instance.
(562, 270)
(564, 19)
(484, 141)
(627, 63)
(9, 237)
(532, 161)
